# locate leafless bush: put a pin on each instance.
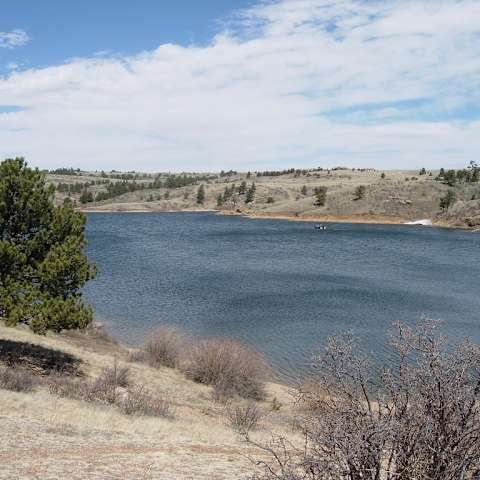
(418, 418)
(232, 368)
(162, 347)
(16, 379)
(243, 418)
(141, 402)
(103, 389)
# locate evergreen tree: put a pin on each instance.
(201, 195)
(42, 264)
(86, 197)
(475, 172)
(360, 192)
(304, 190)
(448, 200)
(320, 196)
(450, 177)
(251, 194)
(219, 200)
(242, 188)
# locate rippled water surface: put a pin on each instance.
(281, 286)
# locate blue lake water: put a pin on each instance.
(280, 286)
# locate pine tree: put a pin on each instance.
(448, 200)
(242, 188)
(304, 190)
(360, 192)
(42, 264)
(201, 195)
(251, 194)
(320, 196)
(86, 197)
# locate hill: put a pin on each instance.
(394, 196)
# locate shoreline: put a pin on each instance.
(362, 219)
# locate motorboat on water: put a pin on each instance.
(320, 227)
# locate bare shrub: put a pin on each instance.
(103, 389)
(140, 401)
(163, 346)
(230, 366)
(16, 379)
(415, 419)
(243, 418)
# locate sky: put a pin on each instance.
(192, 85)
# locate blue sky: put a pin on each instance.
(60, 30)
(219, 84)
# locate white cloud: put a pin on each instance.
(292, 83)
(13, 39)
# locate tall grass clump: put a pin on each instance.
(229, 366)
(16, 379)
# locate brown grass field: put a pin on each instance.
(43, 436)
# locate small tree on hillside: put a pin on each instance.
(320, 196)
(86, 197)
(251, 194)
(359, 192)
(450, 177)
(448, 200)
(304, 190)
(242, 188)
(42, 264)
(201, 195)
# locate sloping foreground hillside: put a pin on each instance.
(46, 436)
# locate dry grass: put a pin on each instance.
(16, 379)
(69, 437)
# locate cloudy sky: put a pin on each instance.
(222, 84)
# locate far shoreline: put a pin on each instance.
(361, 219)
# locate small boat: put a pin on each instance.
(320, 227)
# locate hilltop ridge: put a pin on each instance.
(352, 195)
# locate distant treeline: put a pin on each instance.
(115, 189)
(470, 174)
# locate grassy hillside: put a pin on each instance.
(391, 196)
(45, 435)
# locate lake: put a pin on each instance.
(278, 285)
